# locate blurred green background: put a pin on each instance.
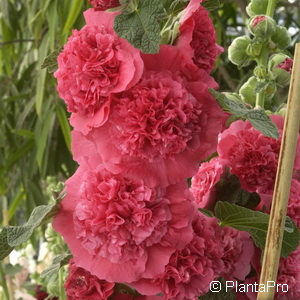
(34, 130)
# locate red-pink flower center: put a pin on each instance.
(286, 65)
(117, 218)
(157, 118)
(254, 159)
(89, 68)
(257, 20)
(104, 4)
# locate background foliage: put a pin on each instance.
(34, 132)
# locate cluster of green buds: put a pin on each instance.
(264, 45)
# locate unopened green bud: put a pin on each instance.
(247, 91)
(254, 49)
(281, 37)
(280, 65)
(237, 51)
(270, 89)
(233, 96)
(282, 111)
(262, 27)
(257, 7)
(260, 72)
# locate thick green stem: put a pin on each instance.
(271, 8)
(62, 294)
(263, 59)
(3, 283)
(262, 62)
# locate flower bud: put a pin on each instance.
(237, 51)
(254, 49)
(270, 89)
(282, 111)
(281, 37)
(262, 27)
(257, 7)
(281, 67)
(261, 72)
(247, 91)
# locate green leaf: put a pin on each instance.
(51, 272)
(262, 122)
(64, 125)
(75, 10)
(141, 27)
(211, 4)
(236, 108)
(5, 249)
(50, 62)
(17, 235)
(41, 76)
(261, 85)
(206, 212)
(258, 117)
(256, 223)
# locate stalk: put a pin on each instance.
(280, 200)
(3, 283)
(263, 60)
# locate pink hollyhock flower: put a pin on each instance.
(94, 63)
(81, 285)
(190, 270)
(294, 202)
(293, 210)
(104, 4)
(288, 274)
(162, 127)
(252, 156)
(120, 229)
(198, 37)
(238, 250)
(203, 183)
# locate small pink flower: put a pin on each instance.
(104, 4)
(198, 37)
(121, 229)
(94, 63)
(161, 128)
(286, 65)
(81, 285)
(251, 156)
(203, 183)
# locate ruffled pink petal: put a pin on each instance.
(85, 123)
(100, 18)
